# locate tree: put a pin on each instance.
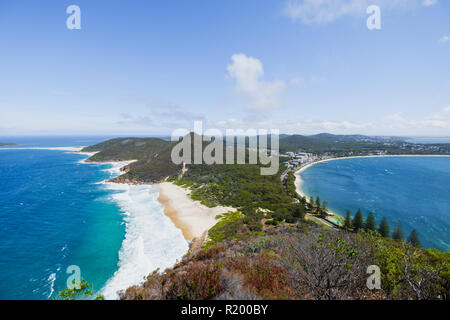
(384, 228)
(413, 239)
(348, 220)
(318, 203)
(358, 221)
(324, 205)
(303, 201)
(328, 266)
(299, 212)
(398, 232)
(370, 223)
(81, 290)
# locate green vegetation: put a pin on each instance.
(302, 261)
(268, 250)
(127, 149)
(154, 169)
(242, 187)
(81, 290)
(348, 221)
(358, 221)
(384, 228)
(413, 239)
(370, 224)
(152, 154)
(226, 228)
(398, 232)
(345, 145)
(4, 144)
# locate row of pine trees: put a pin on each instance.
(357, 223)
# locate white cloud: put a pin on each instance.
(326, 11)
(395, 117)
(298, 81)
(434, 120)
(296, 126)
(248, 73)
(428, 3)
(444, 39)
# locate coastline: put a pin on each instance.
(298, 179)
(151, 242)
(69, 149)
(191, 217)
(174, 225)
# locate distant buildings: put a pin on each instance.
(296, 159)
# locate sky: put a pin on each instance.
(150, 67)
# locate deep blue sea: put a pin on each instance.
(56, 212)
(412, 190)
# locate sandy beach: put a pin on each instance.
(193, 218)
(190, 216)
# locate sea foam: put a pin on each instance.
(151, 240)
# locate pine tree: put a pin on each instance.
(299, 212)
(318, 203)
(398, 232)
(348, 220)
(370, 223)
(358, 221)
(384, 228)
(303, 201)
(413, 239)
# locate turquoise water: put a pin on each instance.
(56, 212)
(54, 215)
(412, 190)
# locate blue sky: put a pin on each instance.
(149, 67)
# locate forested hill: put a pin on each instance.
(4, 144)
(126, 149)
(272, 247)
(356, 144)
(152, 154)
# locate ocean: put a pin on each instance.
(56, 211)
(412, 190)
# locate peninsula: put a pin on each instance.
(261, 244)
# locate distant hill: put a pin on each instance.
(154, 162)
(152, 154)
(356, 144)
(4, 144)
(325, 142)
(152, 169)
(122, 149)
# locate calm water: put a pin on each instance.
(414, 190)
(55, 212)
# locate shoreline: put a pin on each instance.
(152, 240)
(69, 149)
(190, 216)
(299, 181)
